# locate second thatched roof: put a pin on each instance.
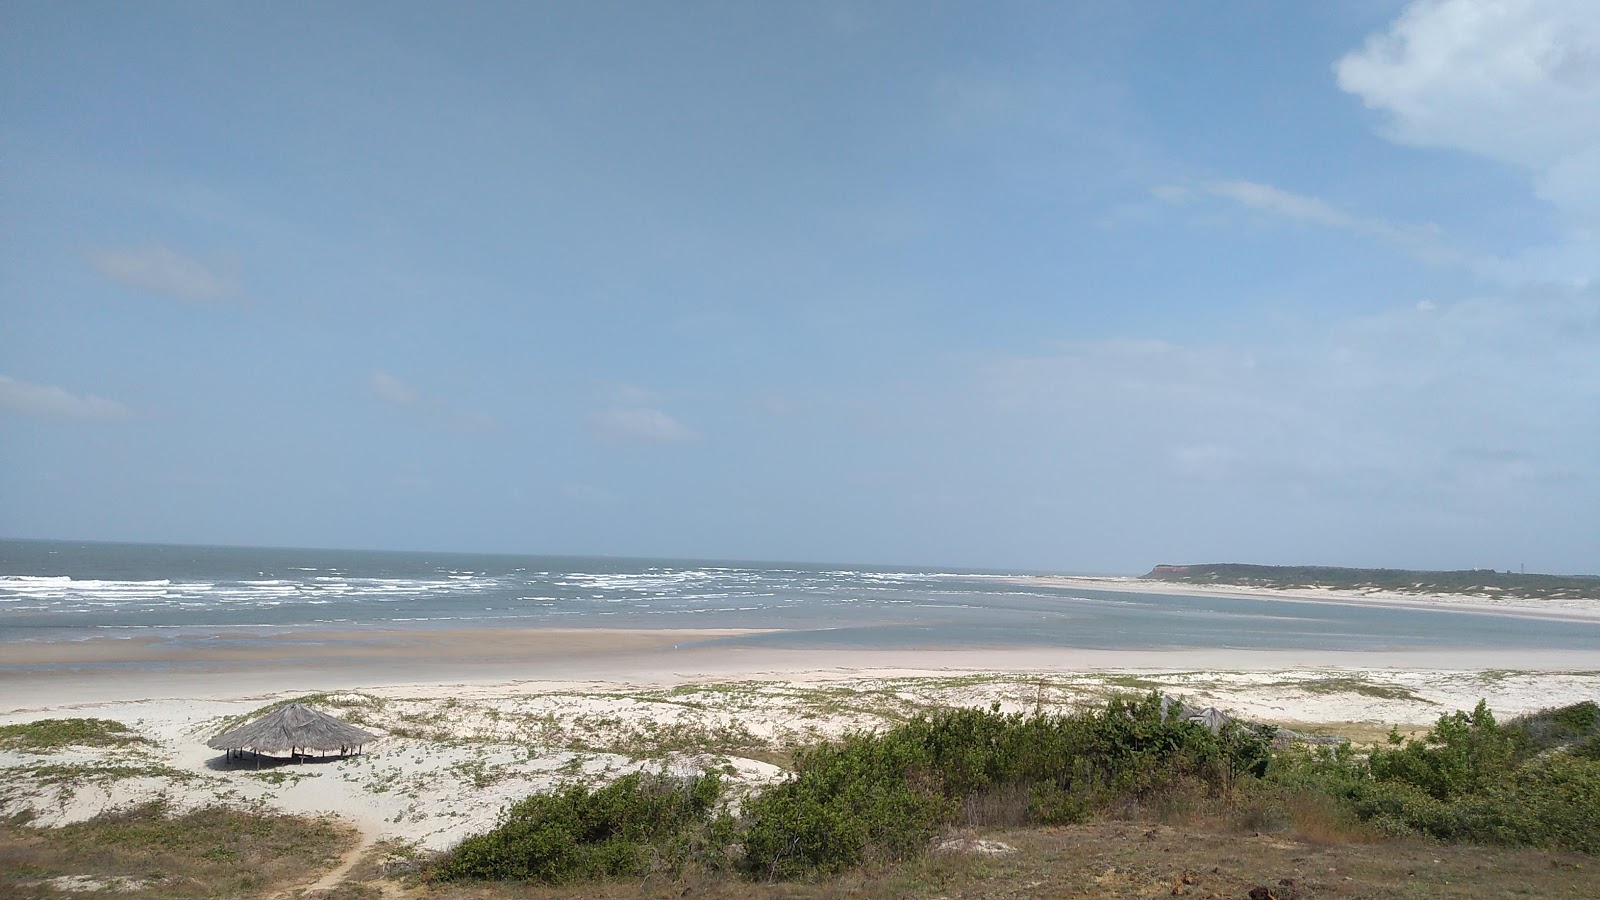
(293, 727)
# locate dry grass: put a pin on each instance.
(1361, 734)
(1223, 853)
(1128, 859)
(144, 852)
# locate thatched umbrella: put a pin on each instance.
(1211, 718)
(293, 728)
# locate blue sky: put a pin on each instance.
(1057, 286)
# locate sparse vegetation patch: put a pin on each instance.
(146, 851)
(1355, 685)
(45, 735)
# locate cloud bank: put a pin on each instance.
(1516, 81)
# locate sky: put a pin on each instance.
(1039, 286)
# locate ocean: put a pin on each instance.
(66, 590)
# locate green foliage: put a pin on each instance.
(1573, 727)
(871, 793)
(883, 796)
(53, 734)
(1461, 755)
(638, 824)
(1469, 779)
(1051, 804)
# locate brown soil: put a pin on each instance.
(1121, 859)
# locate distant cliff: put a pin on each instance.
(1486, 582)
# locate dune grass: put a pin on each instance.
(147, 851)
(47, 735)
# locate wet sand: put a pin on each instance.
(36, 675)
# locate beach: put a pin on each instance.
(474, 719)
(490, 677)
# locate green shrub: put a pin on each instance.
(1461, 755)
(1050, 804)
(883, 796)
(1575, 726)
(1471, 780)
(872, 794)
(637, 824)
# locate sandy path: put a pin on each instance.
(328, 882)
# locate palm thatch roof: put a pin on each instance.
(293, 727)
(1211, 718)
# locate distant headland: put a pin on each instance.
(1482, 582)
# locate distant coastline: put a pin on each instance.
(1465, 582)
(1574, 598)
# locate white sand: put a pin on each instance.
(458, 752)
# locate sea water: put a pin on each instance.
(64, 590)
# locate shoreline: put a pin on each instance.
(472, 719)
(1570, 609)
(122, 669)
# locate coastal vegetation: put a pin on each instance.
(638, 824)
(882, 798)
(152, 851)
(1483, 582)
(45, 735)
(973, 785)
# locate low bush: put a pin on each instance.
(883, 796)
(1464, 753)
(638, 824)
(1469, 779)
(1575, 727)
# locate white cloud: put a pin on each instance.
(57, 403)
(638, 425)
(1516, 81)
(1275, 200)
(427, 408)
(623, 394)
(391, 390)
(157, 269)
(1422, 241)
